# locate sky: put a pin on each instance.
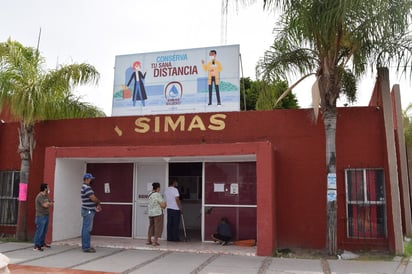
(95, 31)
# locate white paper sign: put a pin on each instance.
(106, 187)
(234, 188)
(219, 187)
(331, 180)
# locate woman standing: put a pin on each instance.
(155, 212)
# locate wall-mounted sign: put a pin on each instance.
(331, 180)
(106, 187)
(331, 195)
(217, 187)
(234, 188)
(179, 81)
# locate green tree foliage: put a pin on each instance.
(337, 41)
(269, 93)
(261, 95)
(32, 94)
(248, 95)
(407, 124)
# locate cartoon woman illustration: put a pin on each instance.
(139, 90)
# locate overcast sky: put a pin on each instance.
(95, 31)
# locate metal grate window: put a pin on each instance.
(9, 191)
(365, 203)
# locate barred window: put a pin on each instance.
(365, 203)
(9, 191)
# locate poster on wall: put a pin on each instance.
(178, 81)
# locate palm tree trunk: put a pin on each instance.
(329, 121)
(26, 144)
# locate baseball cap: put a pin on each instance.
(88, 176)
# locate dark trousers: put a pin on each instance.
(213, 82)
(173, 223)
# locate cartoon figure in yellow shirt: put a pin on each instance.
(213, 68)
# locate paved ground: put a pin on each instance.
(116, 255)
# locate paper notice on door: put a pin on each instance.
(234, 188)
(219, 187)
(106, 187)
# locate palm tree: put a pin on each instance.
(407, 124)
(31, 94)
(337, 41)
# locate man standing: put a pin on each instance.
(213, 68)
(43, 205)
(174, 208)
(90, 204)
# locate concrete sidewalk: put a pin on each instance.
(65, 258)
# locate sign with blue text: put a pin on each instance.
(179, 81)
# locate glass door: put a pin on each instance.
(230, 191)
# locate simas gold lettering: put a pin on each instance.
(217, 121)
(196, 123)
(173, 125)
(142, 125)
(158, 124)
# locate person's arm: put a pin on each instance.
(97, 201)
(94, 199)
(131, 78)
(162, 204)
(219, 66)
(46, 203)
(179, 203)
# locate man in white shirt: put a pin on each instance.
(174, 209)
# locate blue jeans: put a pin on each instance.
(88, 216)
(42, 222)
(173, 223)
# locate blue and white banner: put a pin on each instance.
(179, 81)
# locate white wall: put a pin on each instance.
(66, 213)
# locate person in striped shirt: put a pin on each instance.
(90, 205)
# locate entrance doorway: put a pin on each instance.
(209, 191)
(189, 178)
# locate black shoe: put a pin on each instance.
(90, 250)
(37, 248)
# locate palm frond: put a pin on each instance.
(33, 93)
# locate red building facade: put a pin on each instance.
(266, 170)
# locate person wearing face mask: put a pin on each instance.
(213, 68)
(43, 204)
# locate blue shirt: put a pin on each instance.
(86, 192)
(224, 229)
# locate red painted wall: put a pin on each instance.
(298, 167)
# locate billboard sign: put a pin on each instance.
(179, 81)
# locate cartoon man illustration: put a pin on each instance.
(136, 75)
(213, 68)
